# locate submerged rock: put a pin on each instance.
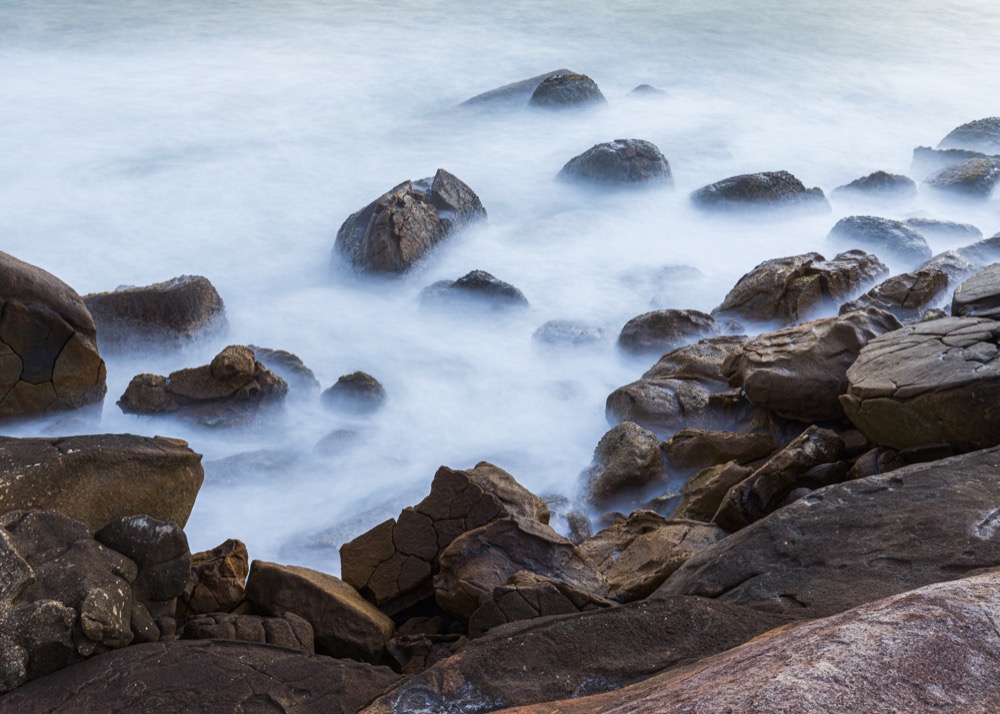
(564, 91)
(982, 253)
(880, 184)
(769, 189)
(973, 178)
(663, 330)
(979, 135)
(356, 392)
(883, 235)
(569, 333)
(947, 230)
(288, 366)
(515, 93)
(475, 289)
(906, 295)
(622, 162)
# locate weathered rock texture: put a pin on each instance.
(626, 459)
(663, 330)
(290, 630)
(692, 450)
(979, 135)
(906, 295)
(396, 230)
(48, 344)
(882, 235)
(764, 190)
(979, 296)
(96, 479)
(217, 581)
(880, 184)
(622, 162)
(930, 383)
(973, 178)
(564, 91)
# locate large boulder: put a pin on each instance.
(979, 296)
(930, 383)
(973, 178)
(626, 460)
(906, 295)
(204, 675)
(953, 264)
(880, 184)
(622, 162)
(855, 542)
(770, 189)
(927, 160)
(565, 91)
(978, 135)
(99, 478)
(400, 227)
(160, 315)
(663, 330)
(48, 344)
(883, 235)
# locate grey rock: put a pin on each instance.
(513, 94)
(569, 333)
(906, 295)
(979, 135)
(770, 189)
(973, 178)
(626, 460)
(880, 184)
(358, 392)
(622, 162)
(882, 235)
(564, 91)
(979, 296)
(663, 330)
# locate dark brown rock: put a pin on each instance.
(622, 162)
(290, 630)
(663, 330)
(625, 461)
(979, 296)
(703, 493)
(564, 91)
(764, 190)
(951, 263)
(217, 580)
(883, 235)
(415, 653)
(973, 178)
(692, 450)
(513, 94)
(876, 461)
(356, 392)
(906, 295)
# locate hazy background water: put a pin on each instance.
(145, 140)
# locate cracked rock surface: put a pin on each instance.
(216, 582)
(289, 630)
(979, 296)
(905, 295)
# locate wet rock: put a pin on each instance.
(167, 314)
(952, 264)
(882, 235)
(98, 478)
(770, 189)
(626, 460)
(289, 630)
(220, 676)
(234, 389)
(704, 492)
(982, 253)
(648, 90)
(514, 94)
(393, 564)
(973, 178)
(48, 349)
(692, 450)
(979, 296)
(356, 392)
(800, 372)
(289, 367)
(927, 160)
(569, 333)
(399, 228)
(766, 488)
(565, 91)
(979, 135)
(343, 622)
(880, 184)
(217, 581)
(935, 382)
(622, 162)
(906, 295)
(944, 230)
(475, 289)
(663, 330)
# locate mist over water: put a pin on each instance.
(146, 140)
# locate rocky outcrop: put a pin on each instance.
(358, 392)
(703, 493)
(568, 333)
(626, 460)
(477, 289)
(880, 184)
(235, 388)
(935, 382)
(96, 479)
(979, 135)
(48, 344)
(217, 580)
(883, 235)
(396, 230)
(663, 330)
(979, 296)
(770, 189)
(513, 94)
(181, 677)
(565, 91)
(906, 295)
(157, 316)
(973, 178)
(289, 631)
(622, 162)
(692, 450)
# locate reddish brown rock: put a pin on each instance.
(704, 492)
(692, 450)
(289, 630)
(217, 581)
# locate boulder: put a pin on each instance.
(800, 372)
(692, 450)
(854, 542)
(568, 333)
(979, 296)
(626, 459)
(574, 655)
(167, 314)
(770, 189)
(358, 392)
(217, 581)
(622, 162)
(703, 493)
(883, 235)
(98, 478)
(234, 389)
(415, 653)
(973, 178)
(343, 622)
(396, 230)
(906, 295)
(564, 91)
(663, 330)
(477, 289)
(513, 94)
(927, 160)
(944, 230)
(983, 252)
(289, 367)
(907, 653)
(207, 675)
(648, 91)
(393, 563)
(979, 135)
(951, 263)
(48, 344)
(289, 630)
(880, 184)
(935, 382)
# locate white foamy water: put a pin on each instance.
(145, 140)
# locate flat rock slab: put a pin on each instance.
(203, 676)
(930, 383)
(979, 296)
(858, 541)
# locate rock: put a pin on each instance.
(766, 488)
(800, 372)
(167, 314)
(945, 230)
(927, 160)
(648, 90)
(206, 675)
(845, 663)
(526, 596)
(477, 289)
(396, 230)
(626, 459)
(882, 235)
(289, 631)
(234, 389)
(638, 554)
(663, 330)
(880, 184)
(568, 333)
(701, 361)
(931, 383)
(96, 479)
(979, 296)
(790, 289)
(952, 264)
(574, 655)
(344, 623)
(692, 450)
(48, 344)
(482, 559)
(393, 563)
(703, 493)
(217, 580)
(973, 178)
(982, 253)
(622, 162)
(566, 90)
(875, 461)
(979, 135)
(770, 189)
(289, 367)
(854, 542)
(906, 295)
(415, 653)
(514, 94)
(356, 392)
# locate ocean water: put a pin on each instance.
(144, 140)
